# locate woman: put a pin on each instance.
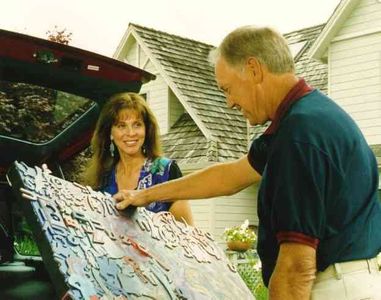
(127, 154)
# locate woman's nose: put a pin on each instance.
(129, 130)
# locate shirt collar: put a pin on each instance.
(300, 89)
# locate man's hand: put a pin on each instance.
(126, 198)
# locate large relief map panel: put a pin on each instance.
(93, 251)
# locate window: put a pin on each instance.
(37, 114)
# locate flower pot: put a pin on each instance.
(239, 246)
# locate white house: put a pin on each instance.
(350, 44)
(197, 128)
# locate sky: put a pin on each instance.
(99, 25)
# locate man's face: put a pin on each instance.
(240, 90)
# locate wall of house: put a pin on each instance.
(176, 109)
(157, 97)
(214, 215)
(354, 60)
(156, 90)
(366, 16)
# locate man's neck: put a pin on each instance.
(278, 87)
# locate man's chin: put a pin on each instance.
(255, 122)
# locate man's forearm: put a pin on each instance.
(217, 180)
(288, 287)
(294, 272)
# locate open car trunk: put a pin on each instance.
(50, 98)
(82, 79)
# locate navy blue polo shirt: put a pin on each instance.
(319, 185)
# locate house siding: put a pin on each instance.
(175, 108)
(131, 52)
(354, 60)
(366, 15)
(156, 90)
(157, 98)
(214, 215)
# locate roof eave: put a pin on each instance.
(170, 83)
(319, 48)
(122, 43)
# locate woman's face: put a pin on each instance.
(129, 132)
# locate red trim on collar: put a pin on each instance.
(297, 237)
(300, 89)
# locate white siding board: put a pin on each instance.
(373, 136)
(358, 26)
(235, 219)
(355, 78)
(370, 74)
(364, 16)
(374, 139)
(151, 68)
(142, 59)
(337, 62)
(348, 100)
(354, 108)
(364, 53)
(370, 126)
(176, 109)
(157, 99)
(131, 55)
(354, 43)
(357, 83)
(234, 209)
(369, 115)
(367, 9)
(369, 66)
(226, 211)
(354, 93)
(203, 225)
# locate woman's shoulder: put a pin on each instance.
(159, 164)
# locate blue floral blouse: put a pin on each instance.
(153, 172)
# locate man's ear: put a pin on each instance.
(255, 69)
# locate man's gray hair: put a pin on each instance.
(263, 43)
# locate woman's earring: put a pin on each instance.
(112, 147)
(144, 149)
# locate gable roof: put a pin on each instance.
(314, 72)
(342, 11)
(208, 130)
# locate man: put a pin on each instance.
(319, 216)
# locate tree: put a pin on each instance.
(59, 36)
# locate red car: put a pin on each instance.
(50, 97)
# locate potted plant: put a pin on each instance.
(240, 237)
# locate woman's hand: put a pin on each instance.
(126, 198)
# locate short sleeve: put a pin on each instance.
(297, 185)
(258, 152)
(174, 171)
